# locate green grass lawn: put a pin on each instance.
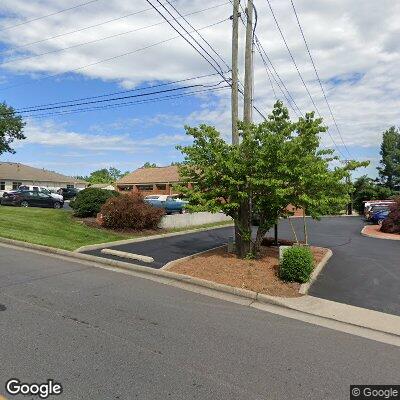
(48, 227)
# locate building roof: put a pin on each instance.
(151, 175)
(21, 172)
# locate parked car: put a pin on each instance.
(163, 197)
(375, 203)
(379, 216)
(375, 208)
(41, 189)
(68, 193)
(30, 198)
(170, 205)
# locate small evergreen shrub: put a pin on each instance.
(297, 264)
(89, 201)
(392, 223)
(129, 211)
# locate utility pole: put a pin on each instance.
(244, 226)
(235, 72)
(248, 65)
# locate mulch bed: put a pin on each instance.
(259, 275)
(374, 231)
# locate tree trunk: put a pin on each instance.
(243, 230)
(261, 232)
(293, 230)
(305, 227)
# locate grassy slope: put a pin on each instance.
(55, 228)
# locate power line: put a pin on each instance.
(113, 58)
(125, 104)
(117, 93)
(201, 36)
(288, 97)
(189, 34)
(316, 73)
(84, 103)
(260, 50)
(299, 73)
(76, 31)
(216, 68)
(48, 15)
(292, 57)
(16, 59)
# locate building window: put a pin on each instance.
(70, 186)
(16, 185)
(125, 188)
(145, 187)
(161, 186)
(2, 186)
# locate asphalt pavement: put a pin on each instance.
(363, 271)
(105, 335)
(171, 248)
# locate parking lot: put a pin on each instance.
(363, 271)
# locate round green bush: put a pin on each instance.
(89, 201)
(297, 264)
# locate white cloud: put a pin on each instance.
(357, 39)
(49, 134)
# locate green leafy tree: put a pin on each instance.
(149, 165)
(365, 188)
(276, 163)
(104, 175)
(389, 171)
(11, 128)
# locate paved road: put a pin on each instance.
(106, 335)
(364, 272)
(171, 248)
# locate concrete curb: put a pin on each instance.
(131, 256)
(146, 238)
(307, 305)
(363, 233)
(305, 287)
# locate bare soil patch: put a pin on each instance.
(260, 275)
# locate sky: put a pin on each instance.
(108, 46)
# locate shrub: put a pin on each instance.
(89, 201)
(130, 211)
(297, 264)
(392, 223)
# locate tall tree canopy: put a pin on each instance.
(11, 128)
(276, 163)
(104, 175)
(149, 165)
(389, 171)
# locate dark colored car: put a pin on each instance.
(374, 209)
(379, 216)
(68, 193)
(30, 198)
(170, 205)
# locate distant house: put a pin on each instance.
(157, 180)
(105, 186)
(14, 175)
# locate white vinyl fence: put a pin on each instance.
(193, 219)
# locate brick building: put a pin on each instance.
(157, 180)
